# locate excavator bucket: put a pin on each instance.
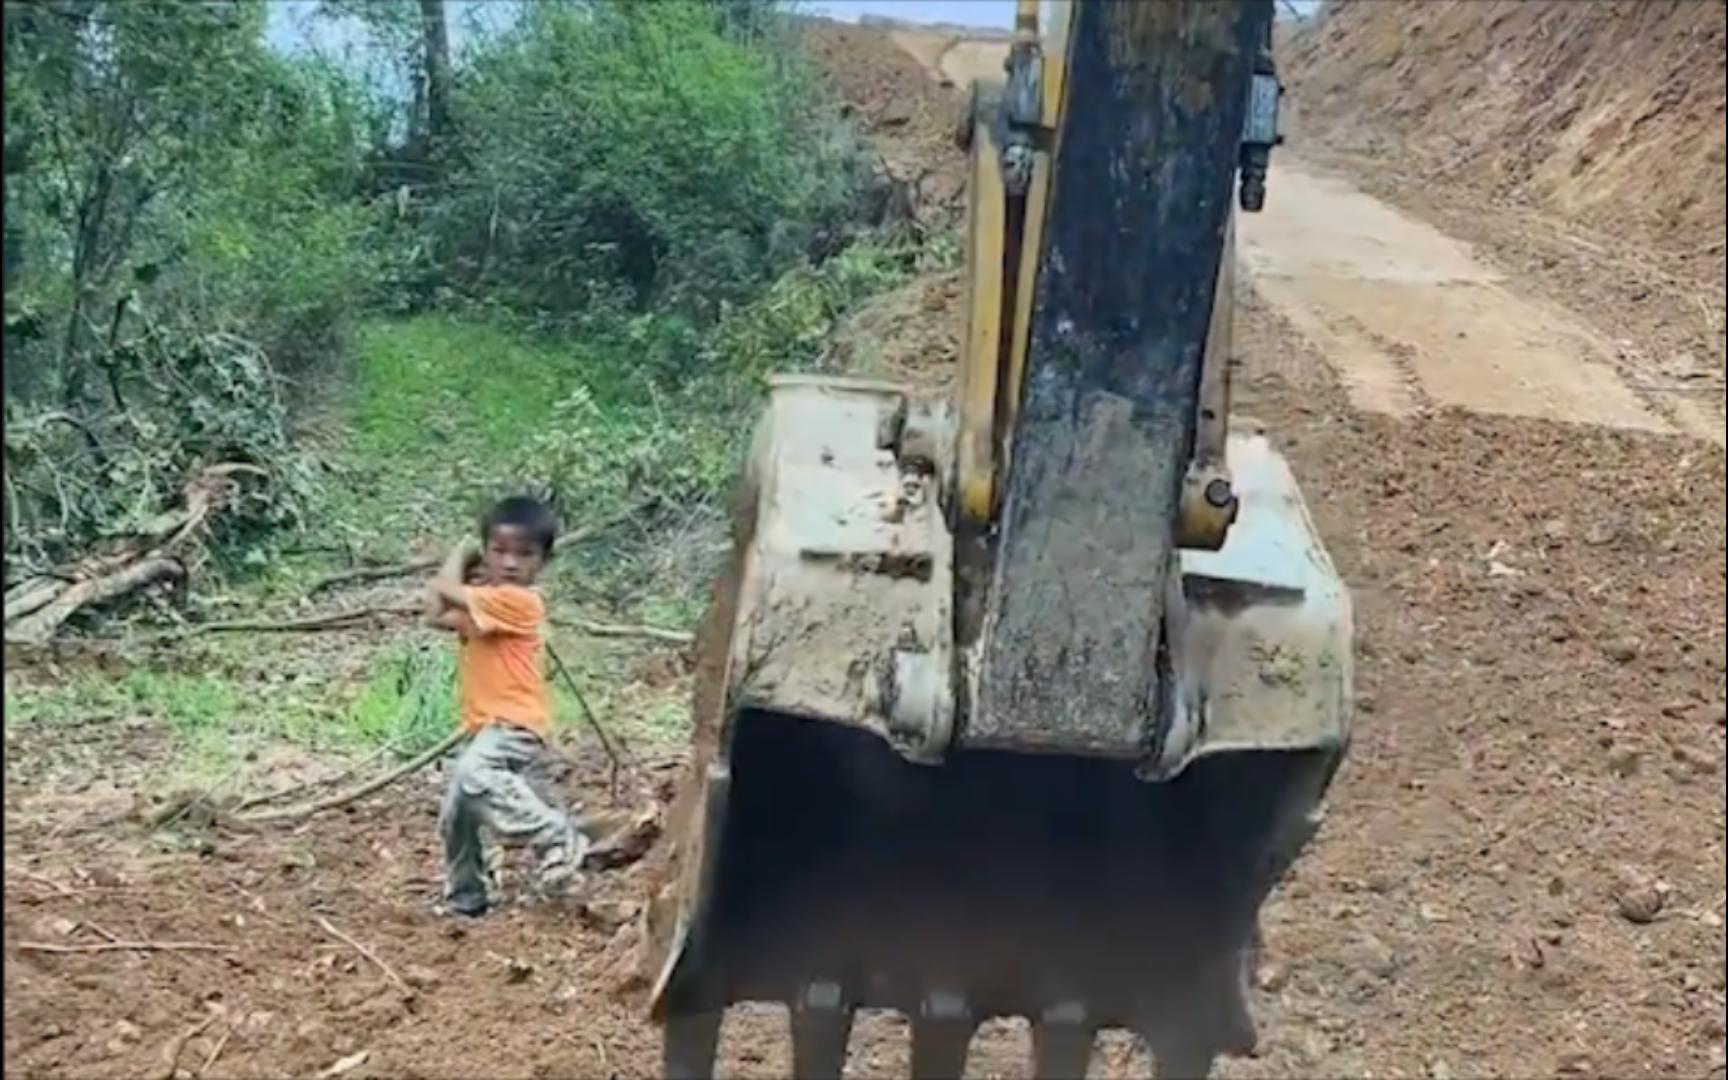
(1021, 707)
(821, 862)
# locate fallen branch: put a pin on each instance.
(622, 630)
(59, 887)
(35, 611)
(330, 620)
(346, 1065)
(294, 789)
(297, 813)
(330, 928)
(122, 946)
(363, 574)
(39, 626)
(33, 594)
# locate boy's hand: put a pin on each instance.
(461, 561)
(449, 584)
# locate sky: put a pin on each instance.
(991, 13)
(291, 27)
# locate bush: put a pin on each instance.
(626, 153)
(189, 400)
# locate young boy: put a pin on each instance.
(487, 597)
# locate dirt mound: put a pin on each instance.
(1609, 113)
(910, 118)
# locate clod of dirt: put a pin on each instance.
(421, 978)
(1692, 760)
(1601, 534)
(628, 844)
(1372, 955)
(518, 971)
(1271, 976)
(1639, 897)
(126, 1031)
(1622, 650)
(607, 916)
(346, 1065)
(1623, 761)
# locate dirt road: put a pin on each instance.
(1411, 319)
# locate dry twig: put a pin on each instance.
(122, 946)
(618, 630)
(330, 928)
(216, 1051)
(177, 1046)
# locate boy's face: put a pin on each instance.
(512, 556)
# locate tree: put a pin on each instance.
(435, 54)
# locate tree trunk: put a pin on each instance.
(436, 50)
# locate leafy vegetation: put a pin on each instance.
(561, 257)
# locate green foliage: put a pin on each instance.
(409, 703)
(438, 410)
(180, 226)
(191, 400)
(627, 153)
(638, 209)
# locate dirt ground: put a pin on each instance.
(1521, 872)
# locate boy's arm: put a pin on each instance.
(447, 594)
(449, 585)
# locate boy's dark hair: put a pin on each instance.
(526, 513)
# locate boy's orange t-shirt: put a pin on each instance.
(500, 665)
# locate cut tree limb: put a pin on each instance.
(40, 625)
(35, 610)
(282, 793)
(33, 595)
(330, 620)
(378, 783)
(363, 574)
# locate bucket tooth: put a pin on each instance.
(689, 1045)
(1181, 1062)
(941, 1034)
(821, 1024)
(1062, 1043)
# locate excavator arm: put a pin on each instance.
(1020, 703)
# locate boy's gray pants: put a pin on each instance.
(490, 787)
